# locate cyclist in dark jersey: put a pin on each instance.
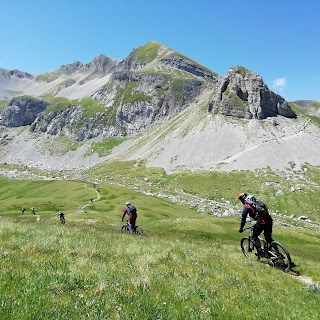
(61, 216)
(264, 221)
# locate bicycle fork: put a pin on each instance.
(250, 245)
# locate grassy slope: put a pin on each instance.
(221, 186)
(188, 266)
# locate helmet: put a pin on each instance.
(241, 196)
(250, 199)
(128, 203)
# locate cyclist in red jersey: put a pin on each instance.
(131, 211)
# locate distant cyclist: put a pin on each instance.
(264, 220)
(61, 217)
(131, 211)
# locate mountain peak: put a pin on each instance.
(103, 63)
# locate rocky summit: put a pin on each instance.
(243, 94)
(176, 112)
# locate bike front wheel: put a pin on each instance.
(248, 247)
(280, 256)
(125, 229)
(138, 231)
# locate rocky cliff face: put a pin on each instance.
(152, 85)
(142, 98)
(73, 123)
(22, 111)
(243, 94)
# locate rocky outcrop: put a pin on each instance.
(22, 111)
(178, 61)
(99, 67)
(242, 93)
(103, 64)
(71, 68)
(17, 73)
(73, 122)
(20, 74)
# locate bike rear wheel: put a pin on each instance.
(138, 231)
(280, 256)
(248, 248)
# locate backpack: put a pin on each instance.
(132, 210)
(260, 208)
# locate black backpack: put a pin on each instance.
(260, 208)
(132, 210)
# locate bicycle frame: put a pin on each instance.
(128, 229)
(129, 226)
(277, 254)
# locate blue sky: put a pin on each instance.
(277, 39)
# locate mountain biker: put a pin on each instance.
(131, 211)
(264, 221)
(61, 216)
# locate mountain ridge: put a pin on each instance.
(153, 84)
(158, 89)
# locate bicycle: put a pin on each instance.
(127, 229)
(277, 254)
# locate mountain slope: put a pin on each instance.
(192, 140)
(72, 81)
(309, 106)
(195, 140)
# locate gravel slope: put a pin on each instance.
(194, 140)
(226, 144)
(32, 150)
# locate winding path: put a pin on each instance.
(96, 199)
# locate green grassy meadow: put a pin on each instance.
(224, 186)
(188, 265)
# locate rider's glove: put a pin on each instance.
(240, 230)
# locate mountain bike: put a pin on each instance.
(127, 229)
(277, 254)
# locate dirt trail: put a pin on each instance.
(97, 191)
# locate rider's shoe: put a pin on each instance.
(260, 254)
